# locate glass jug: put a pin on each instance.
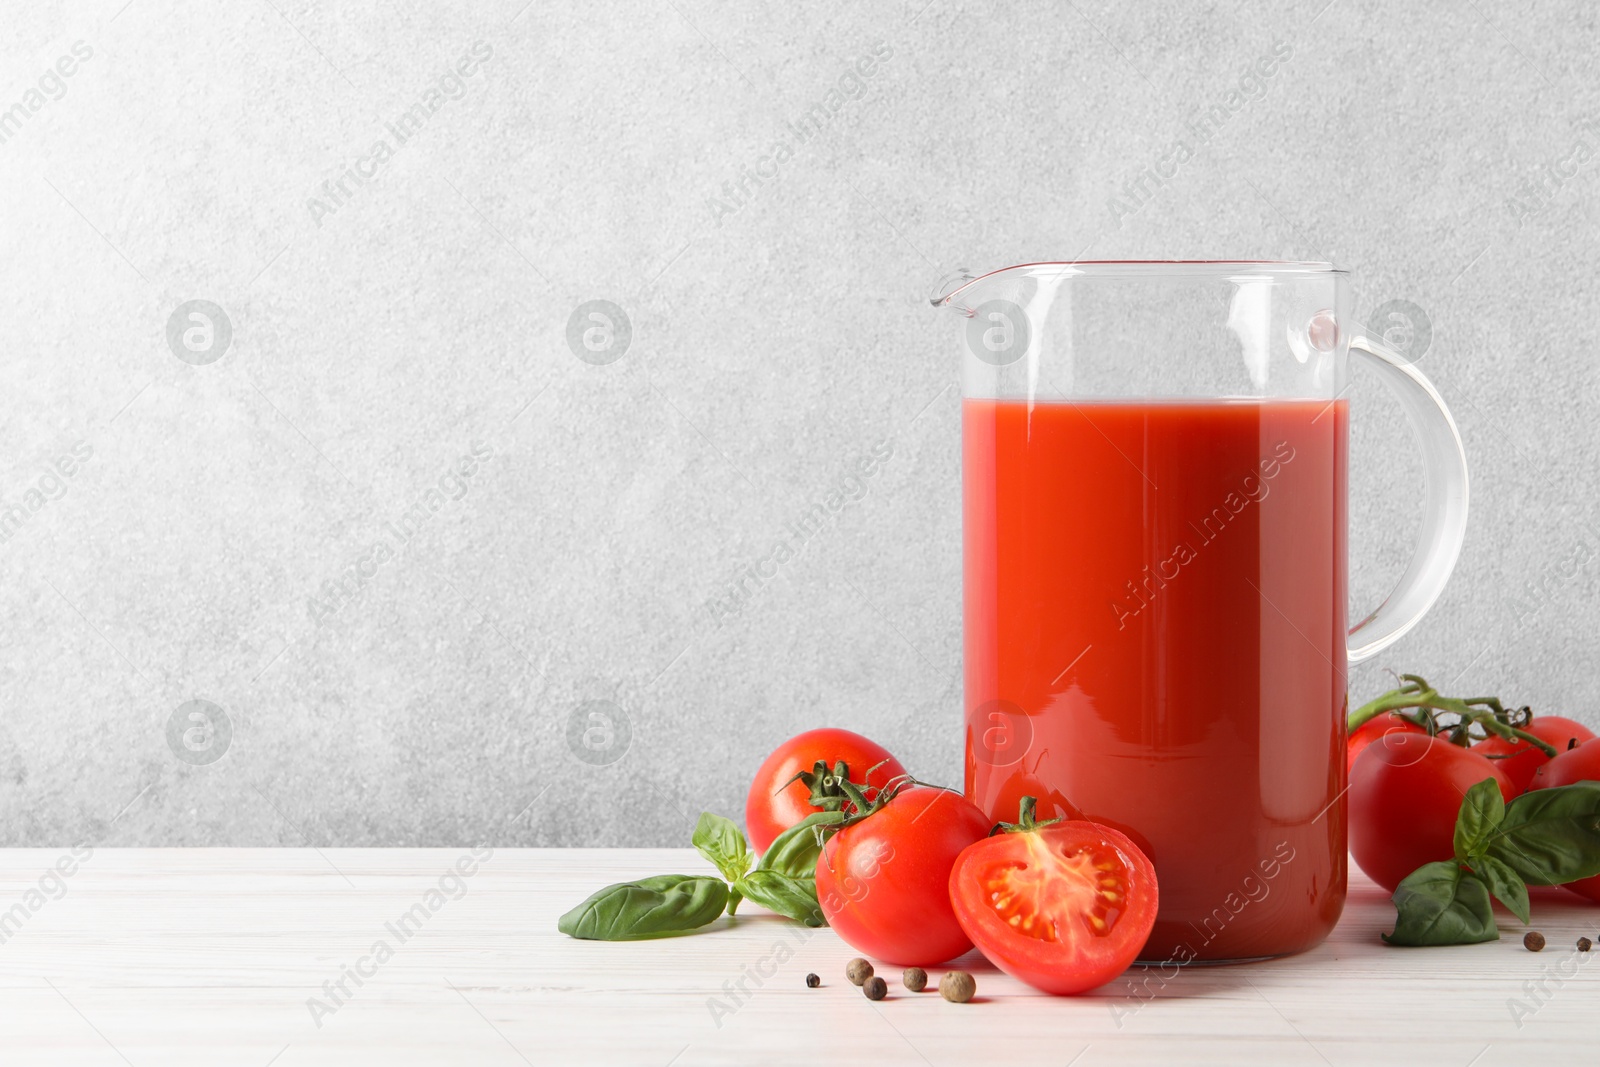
(1154, 519)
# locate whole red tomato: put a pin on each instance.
(773, 806)
(1064, 907)
(1581, 764)
(1405, 795)
(1375, 729)
(883, 882)
(1522, 759)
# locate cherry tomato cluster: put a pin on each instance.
(916, 875)
(1413, 754)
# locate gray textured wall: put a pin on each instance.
(1446, 153)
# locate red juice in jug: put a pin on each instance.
(1155, 639)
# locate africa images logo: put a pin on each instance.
(199, 732)
(450, 487)
(51, 485)
(737, 193)
(335, 193)
(52, 86)
(1252, 490)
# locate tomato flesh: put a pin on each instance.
(1065, 908)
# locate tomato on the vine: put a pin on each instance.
(1374, 730)
(883, 879)
(1521, 759)
(1063, 906)
(777, 800)
(1580, 764)
(1405, 795)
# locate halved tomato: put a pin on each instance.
(1063, 906)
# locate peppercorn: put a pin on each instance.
(1533, 941)
(1584, 944)
(915, 979)
(957, 987)
(875, 988)
(812, 981)
(858, 970)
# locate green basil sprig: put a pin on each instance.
(794, 852)
(794, 898)
(723, 843)
(664, 905)
(784, 881)
(1551, 836)
(1544, 837)
(1441, 904)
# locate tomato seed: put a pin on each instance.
(875, 988)
(915, 979)
(957, 987)
(858, 970)
(1533, 941)
(812, 981)
(1584, 944)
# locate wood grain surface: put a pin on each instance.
(168, 958)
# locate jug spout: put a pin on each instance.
(963, 290)
(949, 285)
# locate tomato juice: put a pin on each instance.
(1156, 640)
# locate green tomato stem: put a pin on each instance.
(1487, 712)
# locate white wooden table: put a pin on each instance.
(176, 957)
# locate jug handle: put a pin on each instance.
(1444, 512)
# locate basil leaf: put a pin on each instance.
(660, 906)
(1551, 836)
(723, 843)
(1507, 887)
(1440, 904)
(794, 852)
(1481, 811)
(786, 895)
